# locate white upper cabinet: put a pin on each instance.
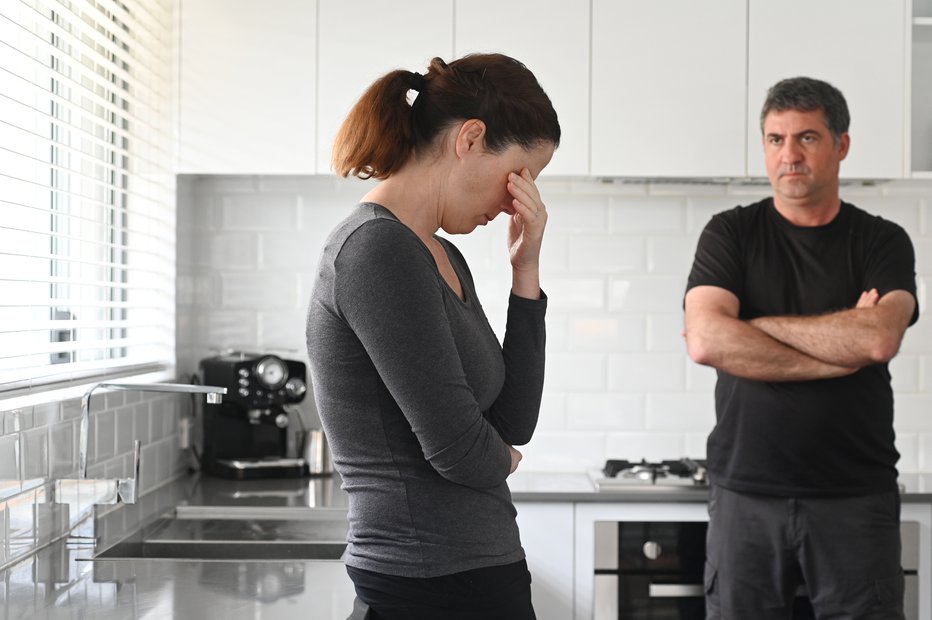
(361, 41)
(551, 37)
(247, 76)
(860, 48)
(668, 88)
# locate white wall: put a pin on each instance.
(616, 257)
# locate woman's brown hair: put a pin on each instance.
(383, 130)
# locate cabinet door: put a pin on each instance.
(361, 41)
(860, 48)
(551, 37)
(547, 537)
(247, 72)
(668, 88)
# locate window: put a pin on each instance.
(87, 221)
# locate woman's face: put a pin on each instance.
(482, 192)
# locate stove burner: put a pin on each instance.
(655, 473)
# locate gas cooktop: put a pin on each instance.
(622, 475)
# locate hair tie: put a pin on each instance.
(417, 81)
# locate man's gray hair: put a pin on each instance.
(808, 94)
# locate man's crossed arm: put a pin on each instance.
(794, 348)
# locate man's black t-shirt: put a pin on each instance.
(815, 438)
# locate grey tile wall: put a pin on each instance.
(39, 445)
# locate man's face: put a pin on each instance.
(801, 156)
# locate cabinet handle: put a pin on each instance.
(674, 590)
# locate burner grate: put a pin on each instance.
(652, 471)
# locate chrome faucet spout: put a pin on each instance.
(129, 486)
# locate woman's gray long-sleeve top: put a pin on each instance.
(419, 400)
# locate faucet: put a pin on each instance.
(127, 488)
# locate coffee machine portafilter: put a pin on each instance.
(246, 436)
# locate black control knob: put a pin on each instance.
(652, 550)
(295, 388)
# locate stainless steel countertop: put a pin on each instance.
(578, 487)
(59, 581)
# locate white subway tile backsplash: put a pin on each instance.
(268, 211)
(141, 422)
(235, 250)
(46, 414)
(648, 215)
(605, 411)
(646, 294)
(125, 421)
(104, 430)
(579, 451)
(282, 331)
(925, 373)
(228, 329)
(665, 333)
(695, 444)
(10, 457)
(925, 218)
(907, 444)
(650, 445)
(286, 251)
(580, 293)
(918, 336)
(36, 453)
(670, 255)
(685, 412)
(904, 371)
(13, 421)
(63, 457)
(923, 248)
(913, 413)
(614, 263)
(646, 372)
(925, 452)
(605, 333)
(700, 209)
(575, 371)
(904, 210)
(148, 467)
(112, 400)
(214, 187)
(606, 254)
(700, 378)
(569, 213)
(552, 412)
(267, 290)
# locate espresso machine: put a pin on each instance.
(246, 436)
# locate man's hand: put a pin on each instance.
(868, 299)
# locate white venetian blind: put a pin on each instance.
(87, 221)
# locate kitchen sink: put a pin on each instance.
(198, 536)
(223, 551)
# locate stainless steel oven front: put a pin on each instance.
(653, 570)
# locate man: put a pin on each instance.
(800, 301)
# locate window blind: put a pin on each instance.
(87, 194)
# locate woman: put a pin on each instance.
(420, 402)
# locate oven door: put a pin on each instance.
(649, 570)
(653, 571)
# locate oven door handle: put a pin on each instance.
(675, 590)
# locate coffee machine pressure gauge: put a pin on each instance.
(271, 372)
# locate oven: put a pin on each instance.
(653, 570)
